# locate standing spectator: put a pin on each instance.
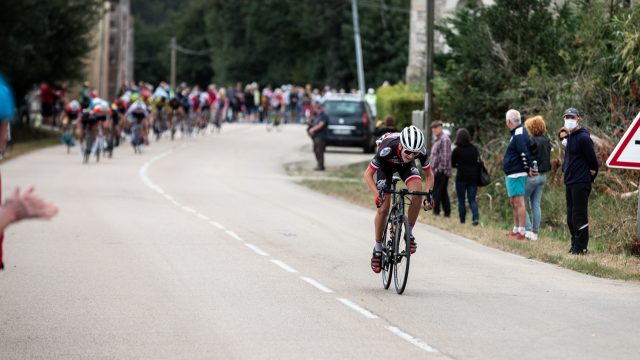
(441, 165)
(21, 205)
(389, 126)
(371, 100)
(580, 169)
(563, 135)
(84, 95)
(540, 147)
(516, 165)
(47, 101)
(318, 133)
(465, 158)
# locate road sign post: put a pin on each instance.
(626, 155)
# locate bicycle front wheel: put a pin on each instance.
(401, 254)
(387, 254)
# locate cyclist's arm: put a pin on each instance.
(368, 175)
(428, 179)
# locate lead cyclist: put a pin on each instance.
(397, 153)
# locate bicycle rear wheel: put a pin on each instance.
(401, 254)
(386, 262)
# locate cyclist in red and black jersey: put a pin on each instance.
(397, 153)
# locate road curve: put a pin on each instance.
(204, 248)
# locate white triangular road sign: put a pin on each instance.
(626, 155)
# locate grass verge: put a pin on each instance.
(345, 183)
(26, 140)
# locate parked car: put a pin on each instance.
(350, 122)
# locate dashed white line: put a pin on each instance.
(316, 284)
(284, 266)
(217, 224)
(366, 313)
(234, 235)
(257, 250)
(415, 341)
(188, 209)
(203, 217)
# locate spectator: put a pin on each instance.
(563, 134)
(47, 101)
(465, 158)
(21, 205)
(319, 132)
(371, 100)
(516, 165)
(441, 165)
(580, 170)
(389, 126)
(540, 148)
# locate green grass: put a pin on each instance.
(26, 140)
(611, 236)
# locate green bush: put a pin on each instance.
(399, 101)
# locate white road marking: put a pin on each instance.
(257, 250)
(284, 266)
(415, 341)
(368, 314)
(168, 197)
(188, 209)
(217, 224)
(316, 284)
(234, 235)
(159, 190)
(176, 203)
(203, 217)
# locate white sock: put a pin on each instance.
(411, 229)
(515, 229)
(521, 230)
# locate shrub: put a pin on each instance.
(400, 101)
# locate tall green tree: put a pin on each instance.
(45, 41)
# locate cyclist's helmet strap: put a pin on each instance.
(412, 138)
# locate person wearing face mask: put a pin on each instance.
(563, 134)
(580, 169)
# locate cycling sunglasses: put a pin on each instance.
(411, 153)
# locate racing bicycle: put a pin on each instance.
(396, 238)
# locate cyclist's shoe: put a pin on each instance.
(376, 261)
(413, 246)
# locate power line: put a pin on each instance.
(193, 52)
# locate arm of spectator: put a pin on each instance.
(446, 152)
(454, 158)
(25, 205)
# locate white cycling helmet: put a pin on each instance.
(412, 138)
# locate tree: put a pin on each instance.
(45, 41)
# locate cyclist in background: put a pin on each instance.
(69, 120)
(397, 153)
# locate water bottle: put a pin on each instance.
(534, 167)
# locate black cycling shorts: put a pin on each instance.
(408, 172)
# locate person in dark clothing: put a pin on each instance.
(389, 126)
(319, 132)
(465, 158)
(540, 147)
(580, 170)
(516, 165)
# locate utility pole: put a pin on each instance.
(428, 96)
(356, 35)
(173, 62)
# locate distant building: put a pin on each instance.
(110, 63)
(418, 37)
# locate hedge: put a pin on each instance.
(399, 101)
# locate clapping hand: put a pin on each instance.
(26, 205)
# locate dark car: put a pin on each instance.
(350, 122)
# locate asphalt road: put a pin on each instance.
(205, 249)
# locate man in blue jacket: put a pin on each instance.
(516, 165)
(580, 169)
